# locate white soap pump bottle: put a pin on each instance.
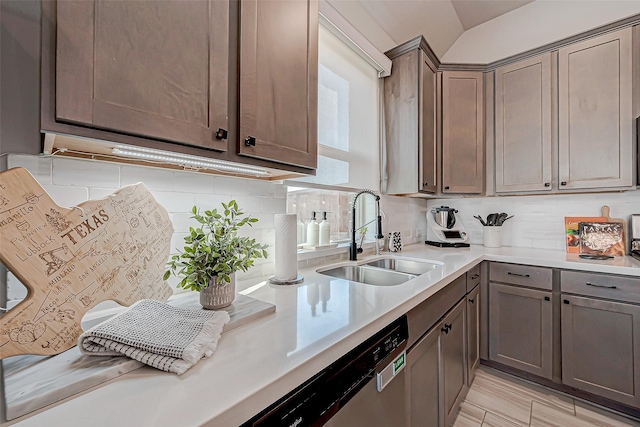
(312, 231)
(302, 235)
(325, 230)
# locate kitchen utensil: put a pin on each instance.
(502, 220)
(479, 218)
(605, 213)
(491, 219)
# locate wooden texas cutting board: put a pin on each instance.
(71, 259)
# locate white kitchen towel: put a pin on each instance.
(168, 338)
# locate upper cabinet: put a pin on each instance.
(151, 69)
(279, 80)
(595, 146)
(462, 132)
(410, 103)
(234, 81)
(523, 125)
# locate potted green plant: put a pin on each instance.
(212, 254)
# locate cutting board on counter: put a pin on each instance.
(70, 260)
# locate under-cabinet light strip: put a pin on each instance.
(185, 159)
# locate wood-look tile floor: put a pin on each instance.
(499, 400)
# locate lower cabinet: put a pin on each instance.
(601, 347)
(473, 333)
(436, 371)
(422, 371)
(453, 361)
(521, 328)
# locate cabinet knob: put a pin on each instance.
(546, 184)
(566, 301)
(446, 328)
(446, 187)
(425, 184)
(250, 141)
(471, 300)
(221, 134)
(547, 299)
(563, 183)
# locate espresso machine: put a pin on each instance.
(444, 229)
(635, 236)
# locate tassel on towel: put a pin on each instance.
(168, 338)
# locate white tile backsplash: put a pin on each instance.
(66, 195)
(538, 221)
(87, 173)
(190, 182)
(231, 186)
(153, 178)
(38, 166)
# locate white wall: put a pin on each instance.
(533, 25)
(538, 221)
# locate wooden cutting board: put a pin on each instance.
(605, 213)
(72, 259)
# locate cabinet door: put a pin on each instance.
(520, 328)
(422, 379)
(601, 348)
(462, 132)
(279, 80)
(523, 125)
(428, 141)
(154, 69)
(595, 112)
(453, 361)
(473, 333)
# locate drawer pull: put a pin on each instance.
(475, 276)
(601, 286)
(517, 274)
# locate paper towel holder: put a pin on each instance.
(273, 280)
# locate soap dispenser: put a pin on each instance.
(325, 230)
(302, 235)
(313, 229)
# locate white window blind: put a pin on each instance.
(348, 117)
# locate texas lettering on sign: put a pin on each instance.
(72, 259)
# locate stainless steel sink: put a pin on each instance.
(368, 275)
(382, 272)
(408, 266)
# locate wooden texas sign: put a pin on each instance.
(71, 259)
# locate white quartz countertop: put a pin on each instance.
(315, 323)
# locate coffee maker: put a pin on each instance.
(635, 236)
(444, 229)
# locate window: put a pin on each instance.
(348, 130)
(348, 139)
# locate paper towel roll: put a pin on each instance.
(286, 259)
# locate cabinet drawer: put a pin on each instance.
(621, 288)
(525, 275)
(473, 277)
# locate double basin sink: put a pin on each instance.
(390, 271)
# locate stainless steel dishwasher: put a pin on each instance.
(361, 388)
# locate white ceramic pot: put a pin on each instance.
(492, 236)
(218, 294)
